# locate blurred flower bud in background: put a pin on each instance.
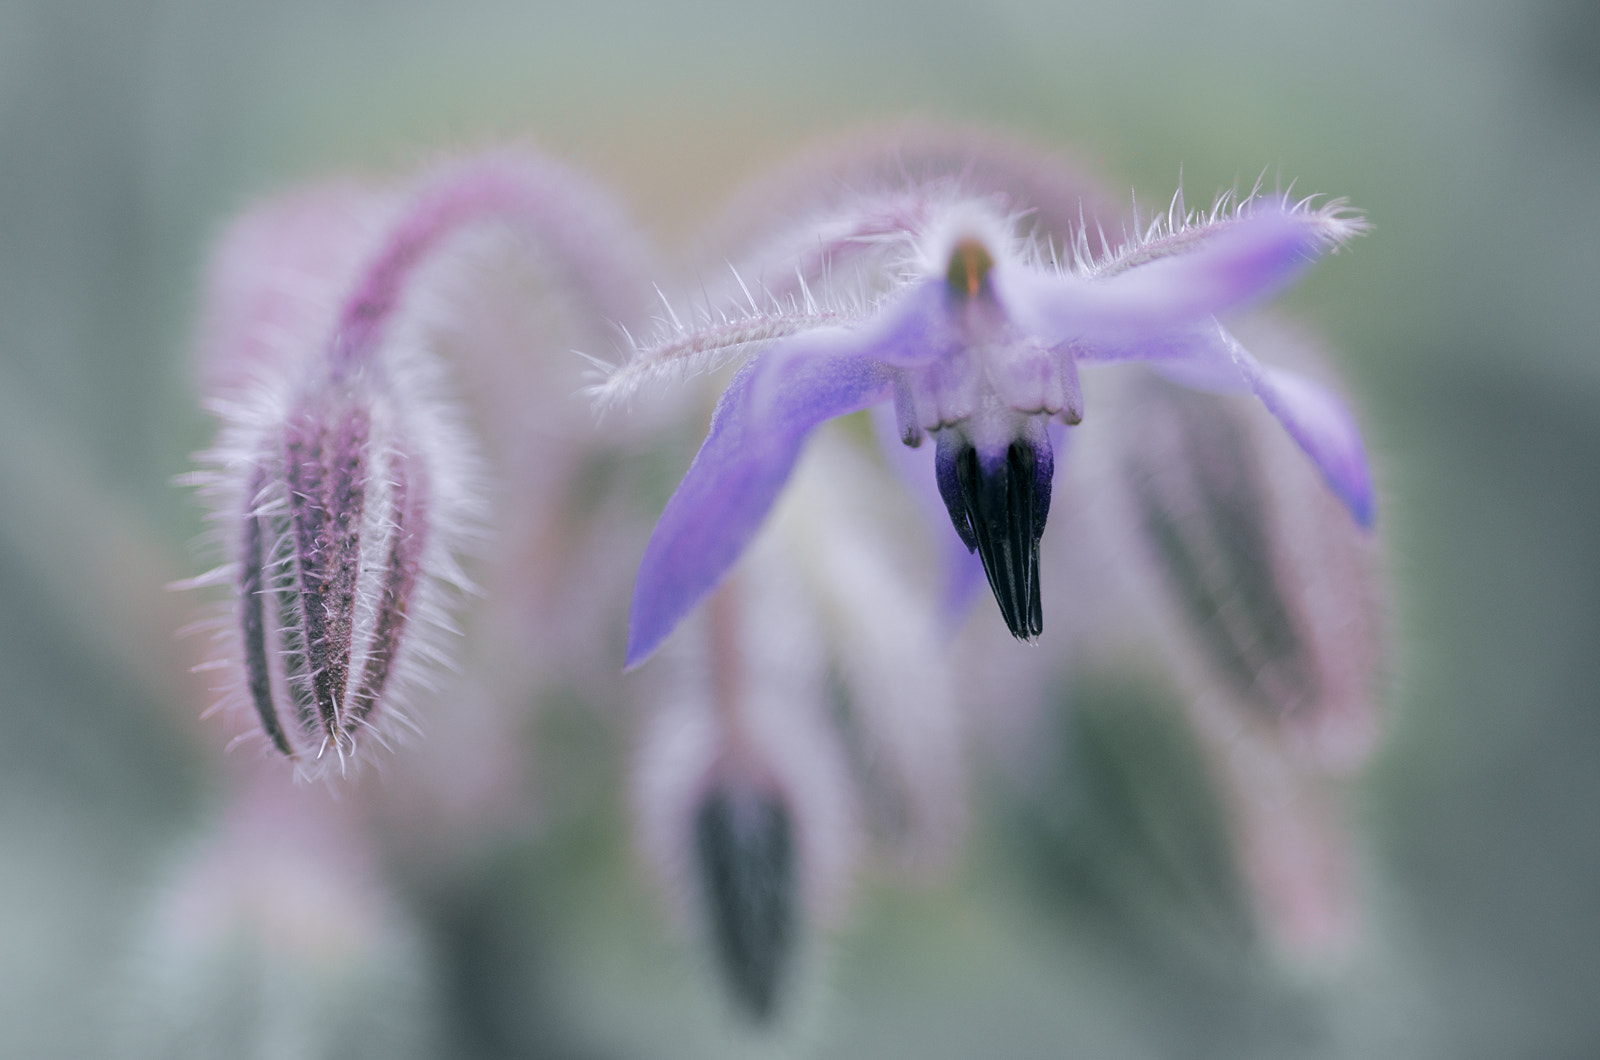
(275, 936)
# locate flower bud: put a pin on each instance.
(1269, 594)
(331, 553)
(344, 482)
(273, 936)
(1270, 585)
(744, 798)
(342, 491)
(745, 855)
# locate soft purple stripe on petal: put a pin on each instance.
(1314, 417)
(912, 330)
(1212, 360)
(1194, 357)
(756, 434)
(1239, 263)
(1322, 425)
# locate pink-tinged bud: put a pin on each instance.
(1274, 595)
(343, 490)
(1270, 598)
(331, 552)
(743, 793)
(344, 481)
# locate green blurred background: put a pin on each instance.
(1468, 130)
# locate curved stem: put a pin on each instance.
(727, 668)
(544, 201)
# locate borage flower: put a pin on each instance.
(976, 333)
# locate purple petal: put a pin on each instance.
(1213, 360)
(1233, 264)
(963, 571)
(1317, 420)
(1322, 425)
(912, 330)
(756, 433)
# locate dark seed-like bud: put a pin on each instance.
(999, 508)
(745, 853)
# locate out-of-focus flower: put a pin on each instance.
(345, 483)
(807, 716)
(276, 935)
(934, 297)
(1277, 599)
(1272, 607)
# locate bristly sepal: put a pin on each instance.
(1278, 595)
(332, 543)
(343, 511)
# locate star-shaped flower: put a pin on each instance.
(976, 334)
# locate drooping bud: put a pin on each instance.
(745, 856)
(743, 789)
(344, 483)
(274, 934)
(1271, 598)
(332, 548)
(1203, 506)
(998, 504)
(1277, 588)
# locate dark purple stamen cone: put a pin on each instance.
(744, 850)
(999, 510)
